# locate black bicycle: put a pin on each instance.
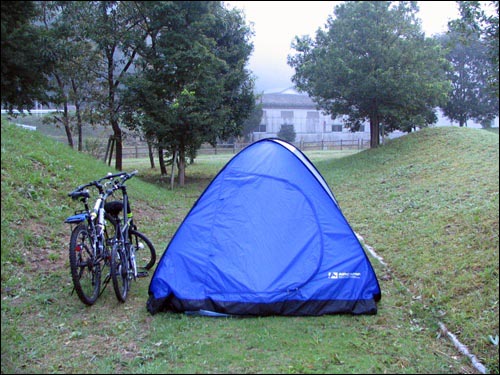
(96, 235)
(129, 258)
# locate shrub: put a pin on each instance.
(287, 133)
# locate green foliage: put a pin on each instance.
(472, 96)
(94, 147)
(373, 63)
(481, 17)
(76, 77)
(112, 32)
(24, 64)
(208, 95)
(287, 133)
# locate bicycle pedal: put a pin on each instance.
(142, 274)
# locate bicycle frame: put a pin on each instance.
(96, 227)
(123, 227)
(89, 216)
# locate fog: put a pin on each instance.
(276, 23)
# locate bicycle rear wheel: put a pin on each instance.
(85, 270)
(145, 253)
(120, 272)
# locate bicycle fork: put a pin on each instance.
(132, 259)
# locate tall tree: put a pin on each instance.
(192, 84)
(373, 62)
(115, 28)
(481, 17)
(73, 78)
(25, 62)
(472, 96)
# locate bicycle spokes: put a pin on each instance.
(85, 272)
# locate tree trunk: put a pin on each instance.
(66, 124)
(65, 119)
(151, 156)
(374, 131)
(118, 144)
(172, 173)
(112, 111)
(161, 159)
(79, 125)
(74, 87)
(182, 164)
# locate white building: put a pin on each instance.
(288, 107)
(444, 121)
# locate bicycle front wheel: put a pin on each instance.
(120, 272)
(145, 253)
(85, 270)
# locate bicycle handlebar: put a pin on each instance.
(117, 184)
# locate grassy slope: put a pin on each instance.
(427, 203)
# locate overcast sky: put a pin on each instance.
(276, 23)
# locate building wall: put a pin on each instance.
(444, 121)
(288, 107)
(309, 125)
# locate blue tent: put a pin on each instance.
(266, 237)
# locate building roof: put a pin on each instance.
(287, 98)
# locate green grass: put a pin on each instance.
(427, 203)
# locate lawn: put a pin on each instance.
(427, 204)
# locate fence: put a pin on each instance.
(340, 144)
(141, 151)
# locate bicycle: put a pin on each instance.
(128, 243)
(92, 240)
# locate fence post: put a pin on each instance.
(111, 146)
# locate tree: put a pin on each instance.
(115, 28)
(373, 62)
(24, 62)
(191, 81)
(472, 96)
(252, 123)
(73, 78)
(476, 20)
(287, 132)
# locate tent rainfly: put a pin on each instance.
(266, 237)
